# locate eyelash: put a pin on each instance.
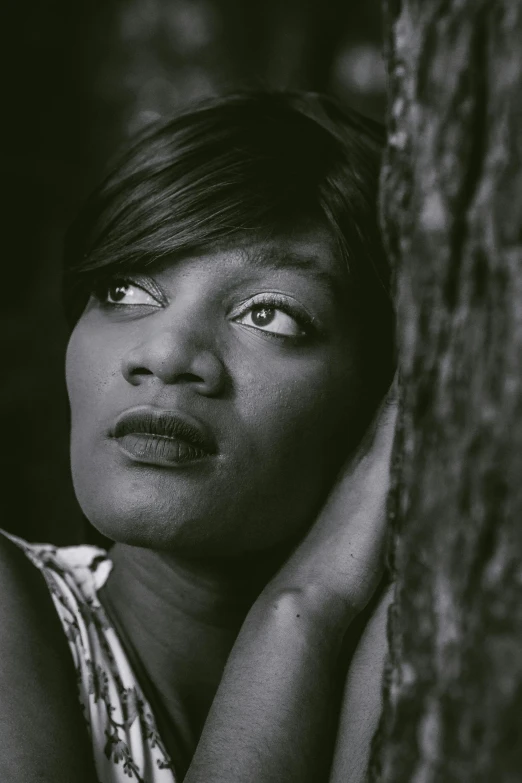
(279, 302)
(273, 300)
(100, 291)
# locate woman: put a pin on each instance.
(232, 340)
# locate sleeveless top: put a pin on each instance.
(125, 741)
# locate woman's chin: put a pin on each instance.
(178, 528)
(211, 510)
(149, 527)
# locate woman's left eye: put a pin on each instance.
(272, 319)
(121, 291)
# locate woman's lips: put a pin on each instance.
(159, 437)
(158, 450)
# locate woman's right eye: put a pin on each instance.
(121, 291)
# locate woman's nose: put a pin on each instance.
(175, 355)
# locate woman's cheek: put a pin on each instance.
(90, 369)
(294, 410)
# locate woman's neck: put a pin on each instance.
(208, 592)
(180, 618)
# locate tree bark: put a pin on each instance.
(452, 218)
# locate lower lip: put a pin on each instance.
(158, 450)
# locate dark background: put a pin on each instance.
(78, 78)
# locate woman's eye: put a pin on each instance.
(124, 292)
(271, 319)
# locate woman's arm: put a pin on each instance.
(272, 717)
(42, 730)
(272, 720)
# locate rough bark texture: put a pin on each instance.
(452, 214)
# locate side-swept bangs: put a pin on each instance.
(253, 164)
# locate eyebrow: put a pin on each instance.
(271, 258)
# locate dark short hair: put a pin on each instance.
(250, 164)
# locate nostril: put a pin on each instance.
(189, 377)
(185, 377)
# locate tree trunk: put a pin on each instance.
(452, 217)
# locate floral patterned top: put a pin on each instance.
(125, 740)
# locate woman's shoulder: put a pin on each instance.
(73, 574)
(44, 586)
(20, 583)
(84, 562)
(37, 680)
(79, 636)
(27, 614)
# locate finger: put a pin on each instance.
(387, 424)
(382, 429)
(392, 395)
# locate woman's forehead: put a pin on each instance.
(313, 251)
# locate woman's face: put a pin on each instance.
(213, 399)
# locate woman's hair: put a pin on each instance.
(248, 165)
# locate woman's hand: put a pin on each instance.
(339, 564)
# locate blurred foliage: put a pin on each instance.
(78, 80)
